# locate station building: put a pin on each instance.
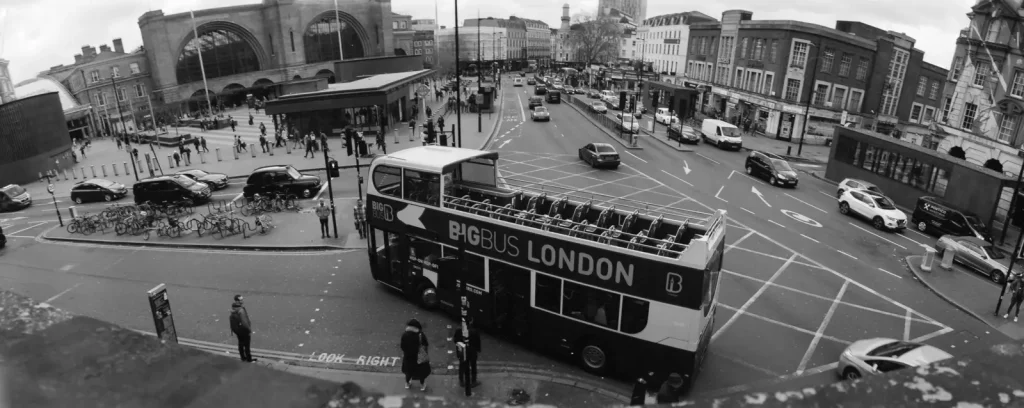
(33, 138)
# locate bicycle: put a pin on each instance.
(82, 224)
(264, 224)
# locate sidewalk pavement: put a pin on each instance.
(969, 292)
(661, 134)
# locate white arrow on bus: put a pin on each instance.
(686, 167)
(410, 215)
(758, 194)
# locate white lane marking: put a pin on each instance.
(54, 297)
(321, 192)
(635, 156)
(931, 335)
(906, 327)
(237, 197)
(821, 329)
(720, 192)
(893, 274)
(222, 194)
(746, 364)
(778, 323)
(735, 244)
(504, 143)
(844, 253)
(522, 110)
(827, 194)
(812, 239)
(759, 195)
(730, 175)
(744, 209)
(37, 223)
(919, 233)
(773, 222)
(677, 178)
(809, 204)
(908, 239)
(708, 158)
(879, 236)
(781, 258)
(563, 135)
(743, 309)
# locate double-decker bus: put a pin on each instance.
(531, 66)
(626, 288)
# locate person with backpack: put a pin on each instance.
(415, 354)
(241, 328)
(1016, 295)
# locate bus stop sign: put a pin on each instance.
(160, 306)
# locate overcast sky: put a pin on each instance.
(38, 34)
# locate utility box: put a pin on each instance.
(947, 260)
(332, 168)
(928, 260)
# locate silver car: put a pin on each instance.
(977, 254)
(881, 355)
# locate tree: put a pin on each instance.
(994, 165)
(958, 152)
(595, 40)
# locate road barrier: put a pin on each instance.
(93, 168)
(114, 166)
(126, 168)
(202, 157)
(947, 260)
(235, 150)
(104, 168)
(170, 161)
(83, 173)
(217, 150)
(252, 149)
(928, 260)
(65, 174)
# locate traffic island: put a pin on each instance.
(602, 122)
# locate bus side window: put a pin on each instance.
(634, 315)
(388, 180)
(547, 293)
(591, 304)
(422, 187)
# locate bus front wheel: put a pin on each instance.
(428, 296)
(594, 358)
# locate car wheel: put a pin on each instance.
(844, 208)
(107, 197)
(839, 194)
(878, 223)
(996, 276)
(851, 374)
(750, 170)
(428, 296)
(594, 358)
(922, 226)
(307, 193)
(773, 181)
(78, 200)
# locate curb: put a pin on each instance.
(917, 275)
(812, 174)
(239, 248)
(494, 127)
(603, 129)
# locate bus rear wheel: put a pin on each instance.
(428, 296)
(594, 358)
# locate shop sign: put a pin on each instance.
(792, 109)
(690, 85)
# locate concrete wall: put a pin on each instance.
(353, 70)
(33, 135)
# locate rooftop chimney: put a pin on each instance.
(104, 48)
(118, 46)
(78, 58)
(85, 50)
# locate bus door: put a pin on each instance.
(510, 288)
(389, 265)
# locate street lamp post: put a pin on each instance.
(479, 77)
(1020, 238)
(458, 79)
(807, 111)
(131, 156)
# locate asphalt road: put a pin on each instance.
(793, 293)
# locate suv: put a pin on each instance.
(855, 184)
(535, 101)
(281, 179)
(170, 189)
(517, 82)
(873, 206)
(773, 167)
(540, 89)
(14, 197)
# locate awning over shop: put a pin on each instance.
(374, 90)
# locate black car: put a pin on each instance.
(216, 181)
(283, 179)
(554, 96)
(600, 154)
(170, 189)
(773, 167)
(535, 101)
(3, 238)
(531, 81)
(592, 94)
(14, 197)
(540, 90)
(97, 190)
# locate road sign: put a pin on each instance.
(49, 188)
(160, 306)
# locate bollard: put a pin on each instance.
(83, 173)
(252, 149)
(928, 260)
(287, 148)
(65, 174)
(73, 211)
(217, 150)
(235, 150)
(202, 157)
(104, 168)
(947, 260)
(74, 174)
(114, 166)
(126, 172)
(93, 168)
(271, 149)
(170, 161)
(789, 150)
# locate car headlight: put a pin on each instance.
(781, 176)
(890, 218)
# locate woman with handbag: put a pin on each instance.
(415, 354)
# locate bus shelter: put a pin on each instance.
(371, 105)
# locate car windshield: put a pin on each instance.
(597, 104)
(731, 131)
(781, 165)
(14, 190)
(198, 173)
(605, 149)
(875, 189)
(185, 181)
(884, 203)
(103, 183)
(540, 109)
(894, 349)
(976, 223)
(993, 252)
(294, 174)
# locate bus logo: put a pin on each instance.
(382, 211)
(674, 283)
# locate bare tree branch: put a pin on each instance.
(595, 40)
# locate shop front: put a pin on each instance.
(681, 100)
(821, 125)
(787, 122)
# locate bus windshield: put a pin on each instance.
(479, 171)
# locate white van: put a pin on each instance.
(722, 134)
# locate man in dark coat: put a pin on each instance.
(467, 348)
(242, 328)
(413, 340)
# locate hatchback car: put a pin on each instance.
(881, 355)
(855, 184)
(216, 181)
(771, 167)
(599, 107)
(979, 255)
(540, 90)
(875, 207)
(535, 101)
(600, 155)
(531, 81)
(569, 90)
(540, 113)
(685, 134)
(283, 179)
(593, 94)
(97, 190)
(517, 82)
(14, 197)
(628, 123)
(174, 188)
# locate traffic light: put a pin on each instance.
(332, 168)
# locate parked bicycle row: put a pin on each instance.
(219, 223)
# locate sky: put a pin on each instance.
(36, 35)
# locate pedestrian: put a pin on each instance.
(233, 124)
(195, 143)
(639, 396)
(1016, 296)
(82, 149)
(119, 144)
(671, 389)
(241, 327)
(309, 148)
(467, 349)
(135, 152)
(263, 143)
(323, 142)
(202, 142)
(322, 212)
(188, 156)
(429, 112)
(177, 160)
(251, 119)
(381, 144)
(359, 215)
(440, 123)
(415, 354)
(263, 129)
(241, 144)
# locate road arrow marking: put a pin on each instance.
(410, 216)
(758, 194)
(686, 167)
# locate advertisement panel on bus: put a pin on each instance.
(573, 258)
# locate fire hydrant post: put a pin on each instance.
(928, 260)
(947, 260)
